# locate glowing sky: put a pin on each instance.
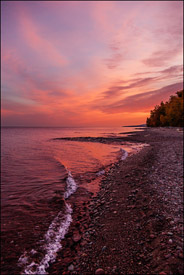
(94, 63)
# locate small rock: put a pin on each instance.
(99, 271)
(114, 269)
(170, 241)
(152, 236)
(76, 237)
(77, 224)
(115, 212)
(169, 233)
(83, 243)
(103, 248)
(167, 256)
(180, 255)
(67, 261)
(71, 267)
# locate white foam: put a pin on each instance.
(125, 154)
(138, 147)
(56, 232)
(100, 173)
(52, 239)
(71, 186)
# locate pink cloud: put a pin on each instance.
(177, 69)
(142, 102)
(174, 72)
(37, 41)
(160, 58)
(31, 78)
(114, 61)
(6, 112)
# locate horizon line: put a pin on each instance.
(69, 126)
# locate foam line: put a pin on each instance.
(71, 186)
(124, 154)
(100, 173)
(55, 233)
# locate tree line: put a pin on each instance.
(169, 113)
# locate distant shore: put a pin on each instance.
(135, 222)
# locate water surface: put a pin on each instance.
(35, 169)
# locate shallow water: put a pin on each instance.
(37, 172)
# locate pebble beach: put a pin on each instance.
(134, 224)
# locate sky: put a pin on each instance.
(84, 64)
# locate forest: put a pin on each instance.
(169, 113)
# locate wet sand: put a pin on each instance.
(134, 225)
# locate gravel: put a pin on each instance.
(134, 225)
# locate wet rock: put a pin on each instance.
(76, 237)
(103, 248)
(167, 256)
(67, 261)
(180, 255)
(99, 271)
(84, 255)
(77, 224)
(114, 268)
(71, 267)
(83, 243)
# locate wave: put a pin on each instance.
(71, 186)
(56, 231)
(52, 239)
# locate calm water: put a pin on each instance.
(35, 169)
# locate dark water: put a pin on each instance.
(37, 172)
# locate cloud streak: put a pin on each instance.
(45, 48)
(142, 102)
(160, 58)
(169, 73)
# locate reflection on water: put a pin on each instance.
(34, 170)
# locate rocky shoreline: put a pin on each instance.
(134, 225)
